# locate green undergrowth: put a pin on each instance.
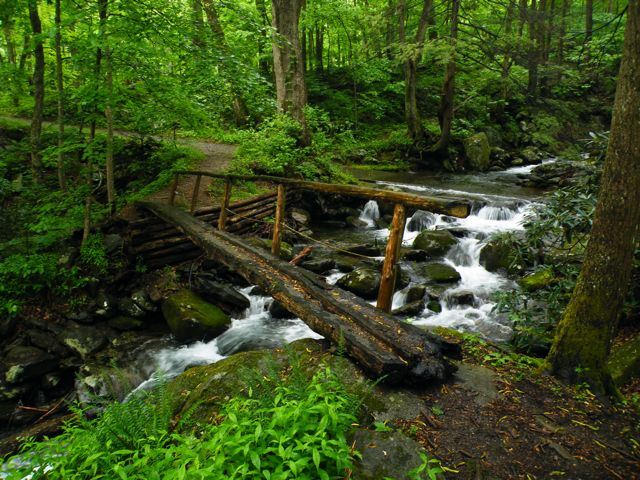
(296, 430)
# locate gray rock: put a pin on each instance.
(435, 243)
(420, 221)
(531, 155)
(143, 300)
(123, 323)
(409, 308)
(83, 340)
(321, 265)
(221, 294)
(300, 216)
(27, 363)
(81, 317)
(47, 342)
(106, 305)
(130, 308)
(113, 243)
(385, 455)
(277, 310)
(438, 273)
(463, 297)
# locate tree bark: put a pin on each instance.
(262, 42)
(108, 113)
(588, 28)
(60, 87)
(446, 111)
(533, 47)
(319, 50)
(583, 337)
(291, 91)
(566, 4)
(38, 91)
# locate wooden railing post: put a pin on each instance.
(389, 269)
(174, 187)
(226, 197)
(277, 227)
(196, 191)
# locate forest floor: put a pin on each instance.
(500, 419)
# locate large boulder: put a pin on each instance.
(438, 273)
(435, 242)
(478, 151)
(191, 318)
(363, 281)
(385, 455)
(420, 221)
(537, 280)
(220, 293)
(85, 340)
(498, 255)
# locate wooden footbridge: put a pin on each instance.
(382, 345)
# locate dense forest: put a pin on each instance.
(487, 150)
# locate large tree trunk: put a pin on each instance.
(291, 91)
(584, 335)
(38, 91)
(446, 112)
(60, 86)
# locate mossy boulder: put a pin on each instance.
(362, 281)
(439, 273)
(478, 151)
(434, 242)
(191, 318)
(624, 361)
(498, 255)
(537, 280)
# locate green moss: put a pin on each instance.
(537, 280)
(191, 318)
(624, 362)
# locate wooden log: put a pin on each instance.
(278, 226)
(171, 250)
(174, 189)
(196, 192)
(390, 267)
(163, 244)
(377, 341)
(173, 259)
(222, 219)
(452, 207)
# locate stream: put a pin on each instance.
(499, 205)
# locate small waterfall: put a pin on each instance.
(496, 213)
(370, 213)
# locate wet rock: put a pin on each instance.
(364, 282)
(385, 455)
(106, 305)
(47, 342)
(624, 361)
(10, 393)
(356, 222)
(320, 266)
(143, 300)
(219, 293)
(409, 308)
(478, 151)
(498, 254)
(415, 293)
(191, 318)
(123, 323)
(537, 280)
(463, 297)
(277, 310)
(531, 155)
(130, 308)
(558, 173)
(434, 306)
(370, 250)
(27, 363)
(82, 317)
(439, 273)
(415, 255)
(420, 221)
(434, 242)
(83, 340)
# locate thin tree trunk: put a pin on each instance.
(319, 49)
(588, 29)
(108, 113)
(532, 63)
(7, 28)
(583, 337)
(262, 42)
(506, 60)
(446, 112)
(291, 92)
(198, 25)
(566, 4)
(38, 92)
(60, 86)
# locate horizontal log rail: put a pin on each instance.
(452, 207)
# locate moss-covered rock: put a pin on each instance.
(438, 273)
(537, 280)
(498, 255)
(191, 318)
(624, 361)
(478, 151)
(363, 281)
(434, 242)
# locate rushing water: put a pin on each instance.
(501, 210)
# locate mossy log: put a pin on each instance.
(384, 347)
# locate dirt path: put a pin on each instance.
(218, 157)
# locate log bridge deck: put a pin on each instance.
(381, 345)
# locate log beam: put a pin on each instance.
(390, 267)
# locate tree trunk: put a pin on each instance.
(532, 55)
(108, 113)
(506, 60)
(291, 92)
(588, 29)
(7, 28)
(410, 68)
(198, 25)
(583, 337)
(262, 42)
(319, 49)
(60, 86)
(446, 112)
(566, 4)
(38, 91)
